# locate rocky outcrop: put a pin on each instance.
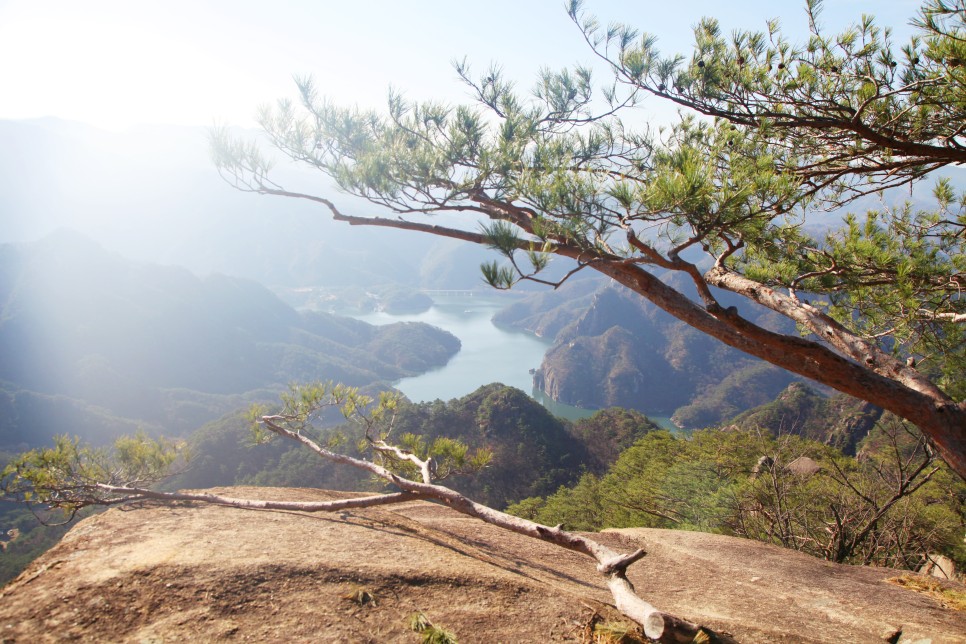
(803, 466)
(207, 573)
(939, 566)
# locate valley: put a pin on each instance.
(651, 330)
(107, 332)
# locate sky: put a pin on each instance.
(118, 63)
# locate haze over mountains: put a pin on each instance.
(121, 303)
(152, 194)
(95, 344)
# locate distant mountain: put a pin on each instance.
(547, 312)
(159, 346)
(534, 453)
(153, 194)
(839, 420)
(609, 432)
(614, 348)
(749, 385)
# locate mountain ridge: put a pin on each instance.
(87, 324)
(623, 351)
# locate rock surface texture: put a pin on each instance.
(207, 573)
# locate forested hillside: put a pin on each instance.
(892, 504)
(612, 348)
(56, 174)
(839, 421)
(534, 452)
(95, 344)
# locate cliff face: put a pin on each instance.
(624, 351)
(209, 573)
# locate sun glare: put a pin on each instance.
(114, 75)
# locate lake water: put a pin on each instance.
(489, 354)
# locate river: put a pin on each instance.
(489, 354)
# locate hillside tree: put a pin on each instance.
(773, 132)
(894, 505)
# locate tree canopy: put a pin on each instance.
(773, 133)
(894, 505)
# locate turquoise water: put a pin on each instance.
(489, 354)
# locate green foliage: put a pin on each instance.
(140, 458)
(24, 537)
(513, 449)
(665, 481)
(609, 432)
(70, 476)
(661, 481)
(502, 237)
(530, 452)
(761, 79)
(449, 456)
(499, 277)
(578, 507)
(371, 422)
(892, 506)
(302, 404)
(887, 274)
(826, 120)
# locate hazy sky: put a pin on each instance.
(114, 63)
